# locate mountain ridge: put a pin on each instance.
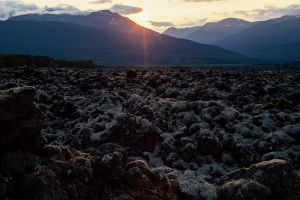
(276, 40)
(24, 35)
(270, 40)
(211, 32)
(103, 19)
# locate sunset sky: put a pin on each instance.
(161, 14)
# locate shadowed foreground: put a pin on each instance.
(149, 134)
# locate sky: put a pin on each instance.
(160, 14)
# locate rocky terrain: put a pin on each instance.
(149, 134)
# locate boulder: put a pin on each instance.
(208, 143)
(64, 109)
(144, 182)
(130, 131)
(243, 190)
(278, 175)
(131, 74)
(42, 184)
(190, 185)
(20, 120)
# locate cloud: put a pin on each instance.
(125, 9)
(12, 8)
(100, 1)
(63, 8)
(197, 1)
(270, 12)
(198, 22)
(201, 0)
(161, 24)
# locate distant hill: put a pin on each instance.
(105, 38)
(210, 33)
(275, 40)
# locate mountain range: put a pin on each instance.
(105, 38)
(212, 32)
(276, 40)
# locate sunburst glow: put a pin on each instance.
(180, 13)
(143, 18)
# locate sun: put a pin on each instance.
(142, 18)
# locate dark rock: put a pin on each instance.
(64, 109)
(42, 185)
(208, 143)
(146, 183)
(244, 190)
(20, 120)
(17, 163)
(131, 74)
(112, 168)
(276, 174)
(51, 150)
(293, 130)
(135, 132)
(190, 185)
(137, 175)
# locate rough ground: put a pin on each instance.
(149, 134)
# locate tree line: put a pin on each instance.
(41, 61)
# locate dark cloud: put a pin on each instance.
(161, 24)
(100, 1)
(63, 8)
(125, 9)
(270, 12)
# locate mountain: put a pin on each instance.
(105, 38)
(272, 40)
(210, 33)
(104, 20)
(275, 40)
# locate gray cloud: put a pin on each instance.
(12, 8)
(62, 8)
(270, 12)
(198, 22)
(125, 9)
(161, 24)
(100, 1)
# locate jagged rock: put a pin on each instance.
(131, 74)
(51, 150)
(208, 121)
(137, 174)
(20, 120)
(146, 183)
(190, 185)
(293, 130)
(17, 163)
(276, 174)
(208, 143)
(243, 190)
(64, 109)
(42, 184)
(112, 167)
(138, 133)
